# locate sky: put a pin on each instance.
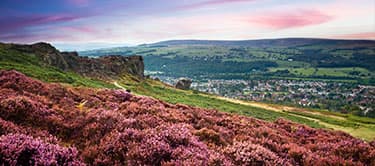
(147, 21)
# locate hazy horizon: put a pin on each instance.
(138, 22)
(83, 46)
(86, 46)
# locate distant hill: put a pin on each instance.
(351, 60)
(286, 42)
(86, 46)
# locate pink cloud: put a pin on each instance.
(362, 35)
(211, 2)
(82, 29)
(284, 20)
(34, 37)
(38, 27)
(29, 21)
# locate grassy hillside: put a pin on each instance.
(357, 126)
(31, 65)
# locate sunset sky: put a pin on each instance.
(147, 21)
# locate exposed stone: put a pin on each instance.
(105, 67)
(183, 83)
(156, 79)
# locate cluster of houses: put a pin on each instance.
(317, 94)
(304, 93)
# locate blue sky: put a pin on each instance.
(136, 21)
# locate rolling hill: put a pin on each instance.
(351, 60)
(286, 42)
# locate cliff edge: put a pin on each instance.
(106, 67)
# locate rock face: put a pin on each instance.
(106, 67)
(183, 83)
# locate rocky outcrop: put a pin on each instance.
(106, 67)
(103, 67)
(183, 83)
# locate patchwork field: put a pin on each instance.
(332, 72)
(331, 60)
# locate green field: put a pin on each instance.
(333, 72)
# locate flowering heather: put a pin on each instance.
(41, 124)
(19, 149)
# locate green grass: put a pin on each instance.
(326, 119)
(357, 126)
(293, 64)
(360, 127)
(363, 120)
(30, 65)
(192, 98)
(333, 72)
(350, 117)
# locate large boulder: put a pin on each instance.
(183, 83)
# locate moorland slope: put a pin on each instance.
(49, 124)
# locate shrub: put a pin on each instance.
(19, 149)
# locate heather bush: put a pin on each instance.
(210, 136)
(246, 153)
(24, 110)
(19, 82)
(297, 153)
(122, 95)
(8, 127)
(113, 148)
(151, 150)
(118, 128)
(18, 149)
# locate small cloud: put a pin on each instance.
(82, 29)
(15, 23)
(210, 3)
(285, 20)
(28, 27)
(32, 37)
